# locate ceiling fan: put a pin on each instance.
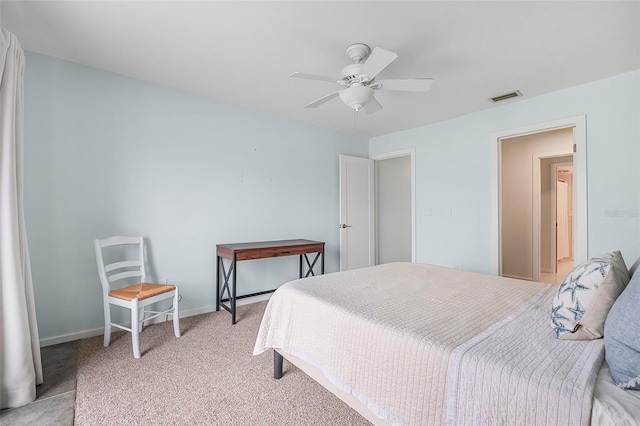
(359, 79)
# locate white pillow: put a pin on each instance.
(622, 337)
(586, 295)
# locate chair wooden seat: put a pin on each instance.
(141, 291)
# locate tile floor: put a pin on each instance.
(564, 267)
(56, 395)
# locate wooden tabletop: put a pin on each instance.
(264, 249)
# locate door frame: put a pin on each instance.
(580, 219)
(394, 154)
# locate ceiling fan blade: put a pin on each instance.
(372, 106)
(323, 99)
(378, 60)
(407, 84)
(308, 76)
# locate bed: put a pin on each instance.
(407, 343)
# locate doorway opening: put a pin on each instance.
(395, 206)
(377, 206)
(527, 241)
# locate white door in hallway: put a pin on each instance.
(357, 237)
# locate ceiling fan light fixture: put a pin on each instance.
(356, 96)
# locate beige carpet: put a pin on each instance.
(208, 376)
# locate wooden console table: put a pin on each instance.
(260, 250)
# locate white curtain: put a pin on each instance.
(562, 217)
(20, 366)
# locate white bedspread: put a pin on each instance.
(517, 373)
(385, 334)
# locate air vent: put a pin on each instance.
(506, 96)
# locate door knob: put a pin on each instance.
(343, 225)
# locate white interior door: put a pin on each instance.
(357, 237)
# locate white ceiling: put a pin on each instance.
(242, 52)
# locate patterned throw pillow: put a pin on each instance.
(586, 295)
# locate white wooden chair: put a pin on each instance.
(135, 297)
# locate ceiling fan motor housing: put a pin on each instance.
(357, 52)
(351, 73)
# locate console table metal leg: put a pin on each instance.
(322, 264)
(311, 265)
(300, 265)
(218, 283)
(226, 290)
(233, 292)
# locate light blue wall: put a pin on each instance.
(106, 155)
(453, 170)
(110, 155)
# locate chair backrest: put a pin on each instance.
(122, 269)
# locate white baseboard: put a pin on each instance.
(183, 314)
(517, 277)
(71, 337)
